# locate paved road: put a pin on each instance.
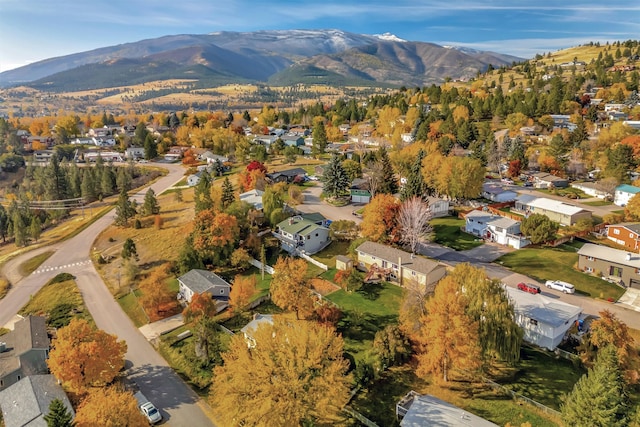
(312, 203)
(178, 403)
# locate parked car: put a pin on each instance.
(147, 408)
(529, 287)
(313, 178)
(507, 181)
(561, 286)
(527, 184)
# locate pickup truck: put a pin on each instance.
(147, 408)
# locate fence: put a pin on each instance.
(517, 396)
(313, 261)
(358, 416)
(566, 354)
(258, 264)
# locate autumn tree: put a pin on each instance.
(83, 356)
(343, 230)
(271, 201)
(374, 176)
(150, 205)
(200, 310)
(379, 219)
(298, 376)
(214, 235)
(58, 415)
(448, 338)
(290, 288)
(242, 290)
(599, 398)
(156, 296)
(335, 180)
(391, 346)
(202, 193)
(413, 222)
(108, 406)
(632, 209)
(538, 228)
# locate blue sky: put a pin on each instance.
(32, 30)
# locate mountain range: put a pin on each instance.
(280, 57)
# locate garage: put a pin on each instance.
(634, 283)
(360, 198)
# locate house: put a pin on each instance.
(194, 179)
(592, 189)
(24, 351)
(265, 140)
(624, 193)
(495, 228)
(544, 321)
(556, 210)
(250, 328)
(359, 191)
(497, 193)
(43, 155)
(107, 156)
(26, 402)
(99, 132)
(621, 266)
(292, 140)
(288, 175)
(627, 235)
(198, 281)
(134, 153)
(417, 410)
(402, 267)
(253, 197)
(307, 233)
(546, 180)
(438, 207)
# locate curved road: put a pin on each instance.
(178, 403)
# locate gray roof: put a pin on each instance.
(200, 281)
(526, 198)
(427, 410)
(258, 319)
(609, 254)
(26, 402)
(28, 333)
(541, 308)
(635, 227)
(416, 263)
(491, 188)
(288, 173)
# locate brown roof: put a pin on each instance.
(416, 263)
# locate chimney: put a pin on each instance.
(3, 346)
(628, 257)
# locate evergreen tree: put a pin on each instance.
(58, 415)
(580, 133)
(125, 210)
(415, 186)
(150, 205)
(129, 249)
(140, 135)
(19, 228)
(107, 182)
(558, 149)
(389, 184)
(335, 179)
(319, 139)
(87, 185)
(123, 179)
(4, 223)
(598, 399)
(75, 181)
(150, 148)
(228, 195)
(35, 228)
(202, 193)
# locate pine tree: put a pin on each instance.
(58, 415)
(335, 179)
(150, 148)
(415, 186)
(107, 182)
(129, 249)
(87, 186)
(35, 228)
(150, 205)
(319, 139)
(125, 210)
(19, 228)
(228, 195)
(123, 179)
(202, 193)
(388, 184)
(598, 399)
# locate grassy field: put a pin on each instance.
(558, 264)
(447, 232)
(328, 255)
(130, 305)
(32, 264)
(598, 203)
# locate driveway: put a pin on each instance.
(313, 203)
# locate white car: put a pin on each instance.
(313, 178)
(150, 411)
(561, 286)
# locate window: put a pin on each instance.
(631, 235)
(589, 258)
(533, 321)
(384, 264)
(413, 273)
(221, 291)
(616, 231)
(588, 269)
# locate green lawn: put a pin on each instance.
(32, 264)
(447, 231)
(558, 264)
(598, 203)
(572, 193)
(328, 255)
(129, 304)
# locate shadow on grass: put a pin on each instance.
(371, 291)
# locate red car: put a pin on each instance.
(529, 287)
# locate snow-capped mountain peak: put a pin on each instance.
(389, 37)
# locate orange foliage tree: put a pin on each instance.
(201, 305)
(241, 292)
(379, 219)
(109, 407)
(83, 356)
(289, 287)
(634, 142)
(214, 235)
(156, 298)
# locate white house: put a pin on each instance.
(545, 321)
(495, 228)
(307, 233)
(591, 189)
(250, 328)
(194, 179)
(134, 153)
(624, 193)
(438, 207)
(497, 193)
(253, 197)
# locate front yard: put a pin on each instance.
(448, 232)
(559, 263)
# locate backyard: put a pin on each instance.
(559, 263)
(448, 232)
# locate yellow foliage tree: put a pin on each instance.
(83, 356)
(109, 407)
(295, 374)
(156, 297)
(241, 292)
